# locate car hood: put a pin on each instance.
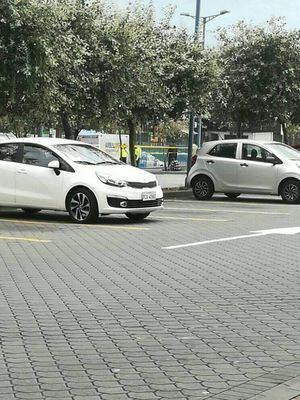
(125, 172)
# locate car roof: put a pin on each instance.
(258, 142)
(42, 141)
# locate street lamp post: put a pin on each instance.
(207, 19)
(192, 116)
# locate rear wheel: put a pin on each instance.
(30, 211)
(290, 191)
(203, 188)
(136, 217)
(232, 195)
(82, 206)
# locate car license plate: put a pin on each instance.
(148, 196)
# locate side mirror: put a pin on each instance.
(276, 161)
(54, 164)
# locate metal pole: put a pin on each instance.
(197, 17)
(200, 132)
(192, 117)
(203, 31)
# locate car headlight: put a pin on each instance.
(108, 180)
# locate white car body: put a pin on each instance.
(6, 136)
(42, 187)
(242, 173)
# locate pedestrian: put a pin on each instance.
(124, 153)
(137, 153)
(171, 154)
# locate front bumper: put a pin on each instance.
(129, 200)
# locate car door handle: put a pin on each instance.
(210, 162)
(21, 171)
(244, 165)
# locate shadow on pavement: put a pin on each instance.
(60, 217)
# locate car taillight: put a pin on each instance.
(194, 159)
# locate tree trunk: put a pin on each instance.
(285, 133)
(66, 126)
(76, 133)
(132, 140)
(239, 129)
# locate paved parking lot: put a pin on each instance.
(194, 303)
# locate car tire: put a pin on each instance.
(203, 188)
(31, 211)
(82, 206)
(136, 217)
(290, 191)
(232, 195)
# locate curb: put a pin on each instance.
(173, 193)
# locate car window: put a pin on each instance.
(226, 150)
(256, 153)
(9, 152)
(39, 156)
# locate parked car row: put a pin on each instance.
(241, 166)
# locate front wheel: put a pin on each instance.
(203, 188)
(232, 195)
(136, 217)
(82, 206)
(290, 191)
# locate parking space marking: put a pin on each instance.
(23, 239)
(191, 219)
(226, 210)
(276, 231)
(255, 203)
(21, 221)
(126, 228)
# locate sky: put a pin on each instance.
(250, 11)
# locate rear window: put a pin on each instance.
(226, 150)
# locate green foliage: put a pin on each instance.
(259, 74)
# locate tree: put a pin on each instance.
(158, 71)
(259, 75)
(27, 52)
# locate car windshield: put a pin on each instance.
(85, 154)
(282, 150)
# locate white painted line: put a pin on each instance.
(232, 202)
(278, 231)
(226, 210)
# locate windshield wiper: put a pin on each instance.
(107, 162)
(84, 162)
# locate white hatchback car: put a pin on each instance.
(245, 166)
(59, 174)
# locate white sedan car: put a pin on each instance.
(246, 166)
(59, 174)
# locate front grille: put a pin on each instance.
(142, 185)
(115, 202)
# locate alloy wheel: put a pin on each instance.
(80, 206)
(201, 188)
(291, 192)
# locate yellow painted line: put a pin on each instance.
(23, 239)
(192, 219)
(21, 221)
